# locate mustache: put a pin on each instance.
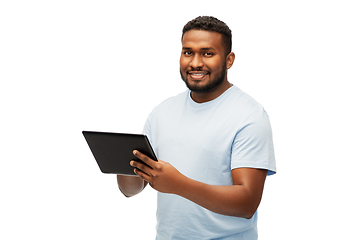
(199, 69)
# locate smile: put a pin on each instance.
(197, 75)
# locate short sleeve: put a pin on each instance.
(146, 130)
(253, 144)
(150, 129)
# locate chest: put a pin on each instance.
(197, 143)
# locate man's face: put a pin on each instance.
(202, 61)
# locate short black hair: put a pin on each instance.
(208, 23)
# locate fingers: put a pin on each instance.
(140, 166)
(141, 169)
(148, 161)
(141, 174)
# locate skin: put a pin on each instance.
(202, 62)
(203, 53)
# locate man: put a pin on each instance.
(214, 145)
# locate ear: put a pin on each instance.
(230, 58)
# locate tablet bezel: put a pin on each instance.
(114, 151)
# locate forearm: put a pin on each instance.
(130, 185)
(232, 200)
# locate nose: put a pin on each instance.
(196, 61)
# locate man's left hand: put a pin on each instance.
(161, 176)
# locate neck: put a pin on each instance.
(201, 97)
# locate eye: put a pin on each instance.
(208, 54)
(187, 53)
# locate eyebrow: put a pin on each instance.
(204, 49)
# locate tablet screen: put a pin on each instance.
(114, 151)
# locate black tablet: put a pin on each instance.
(114, 151)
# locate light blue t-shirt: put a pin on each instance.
(205, 142)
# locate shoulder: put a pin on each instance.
(243, 98)
(241, 103)
(170, 104)
(174, 100)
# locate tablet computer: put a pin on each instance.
(114, 151)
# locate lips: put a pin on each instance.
(197, 75)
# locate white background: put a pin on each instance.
(68, 66)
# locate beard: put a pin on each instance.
(212, 84)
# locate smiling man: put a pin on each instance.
(214, 145)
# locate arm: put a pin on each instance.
(240, 199)
(130, 185)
